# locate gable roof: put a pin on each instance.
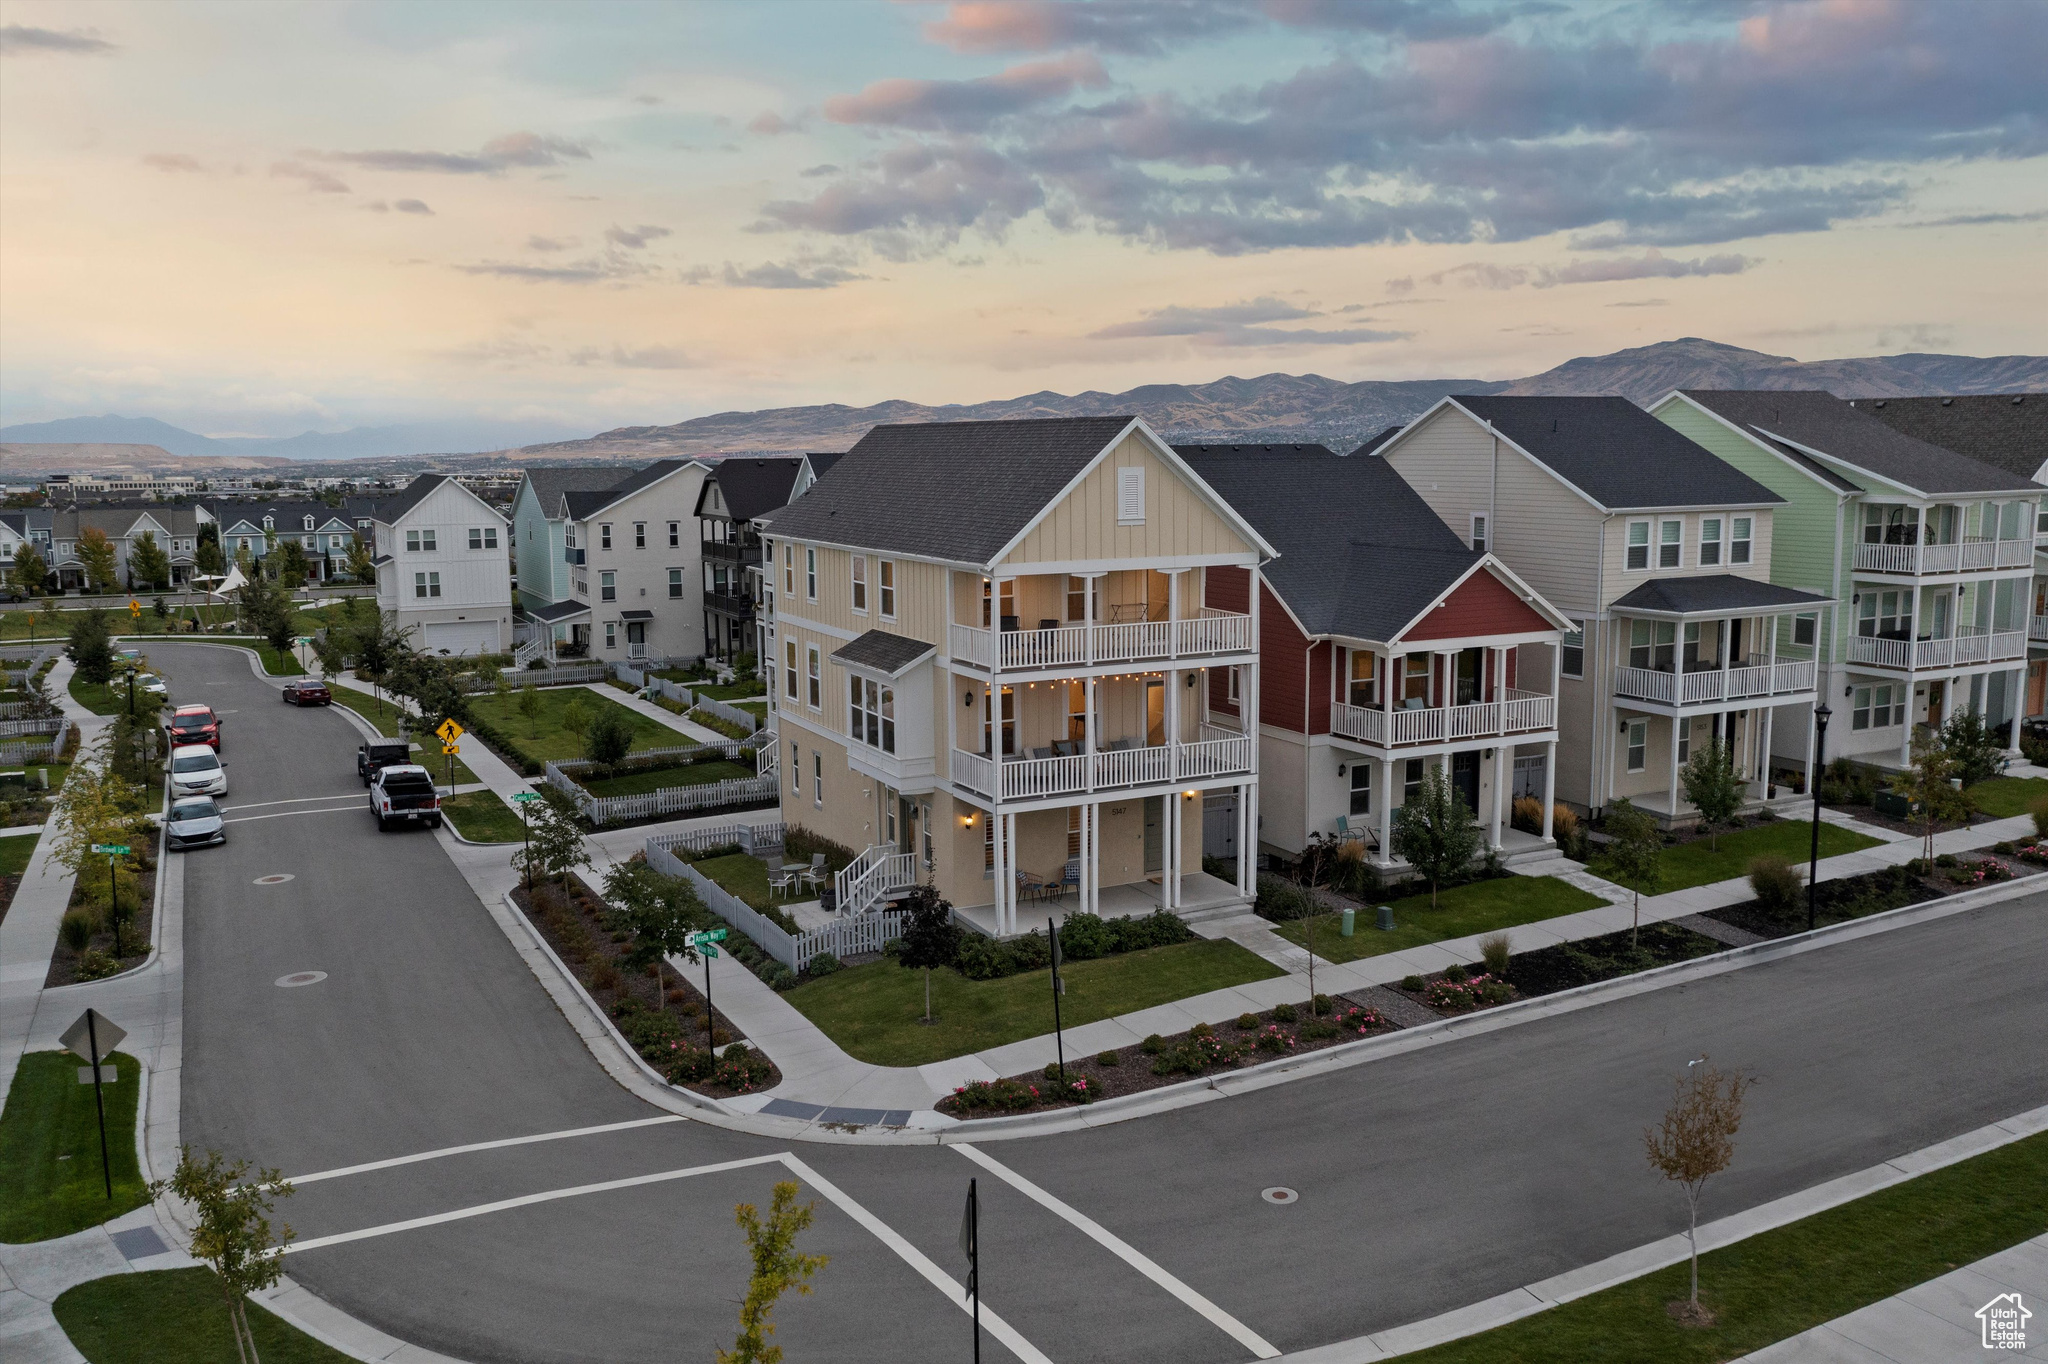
(550, 481)
(1714, 592)
(1822, 424)
(390, 510)
(2006, 430)
(1613, 453)
(821, 460)
(1377, 441)
(1343, 569)
(589, 502)
(959, 491)
(882, 652)
(754, 487)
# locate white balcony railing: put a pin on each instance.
(1517, 712)
(1964, 556)
(1110, 770)
(1742, 682)
(2037, 629)
(1067, 646)
(1964, 648)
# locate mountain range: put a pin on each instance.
(362, 442)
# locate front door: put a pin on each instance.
(1155, 820)
(636, 638)
(1936, 696)
(1155, 712)
(1465, 777)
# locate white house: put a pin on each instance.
(635, 565)
(444, 569)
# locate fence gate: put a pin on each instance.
(1219, 824)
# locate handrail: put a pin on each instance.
(1141, 641)
(1107, 770)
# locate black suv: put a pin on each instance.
(378, 754)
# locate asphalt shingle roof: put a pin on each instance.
(2007, 430)
(753, 487)
(390, 509)
(556, 611)
(1821, 421)
(1617, 454)
(946, 490)
(1361, 554)
(882, 652)
(1377, 441)
(821, 460)
(551, 481)
(1714, 592)
(632, 483)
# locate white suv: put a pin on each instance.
(196, 771)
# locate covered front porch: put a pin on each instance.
(1202, 896)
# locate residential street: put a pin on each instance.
(1428, 1181)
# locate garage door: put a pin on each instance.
(462, 637)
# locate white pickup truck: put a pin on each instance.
(404, 794)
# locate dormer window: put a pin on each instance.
(307, 523)
(269, 523)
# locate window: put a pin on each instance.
(796, 755)
(1411, 780)
(789, 569)
(860, 583)
(1638, 745)
(306, 523)
(871, 713)
(1573, 647)
(1710, 541)
(611, 634)
(608, 585)
(675, 582)
(1652, 644)
(1738, 541)
(1805, 629)
(675, 535)
(604, 535)
(639, 535)
(1073, 831)
(1874, 710)
(1684, 741)
(1079, 591)
(483, 537)
(1885, 615)
(813, 680)
(1130, 496)
(810, 575)
(412, 542)
(1362, 687)
(1361, 788)
(1479, 534)
(1415, 681)
(1077, 712)
(1670, 544)
(885, 583)
(789, 666)
(1638, 544)
(1231, 692)
(1009, 600)
(817, 779)
(426, 585)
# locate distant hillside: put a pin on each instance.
(116, 460)
(362, 442)
(1309, 407)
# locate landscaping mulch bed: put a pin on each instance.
(1202, 1051)
(98, 961)
(1854, 897)
(1868, 814)
(1540, 971)
(669, 1033)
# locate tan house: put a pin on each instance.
(991, 644)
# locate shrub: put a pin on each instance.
(1248, 1021)
(76, 931)
(824, 964)
(1274, 1038)
(2038, 808)
(1051, 1071)
(1413, 984)
(1528, 815)
(1775, 883)
(1320, 1005)
(1459, 996)
(1316, 1029)
(778, 977)
(1084, 936)
(1196, 1053)
(1947, 860)
(1494, 950)
(1152, 1045)
(1284, 1013)
(1281, 901)
(1201, 1030)
(94, 964)
(1455, 974)
(997, 1095)
(1108, 1058)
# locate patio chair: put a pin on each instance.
(1070, 876)
(1065, 748)
(781, 881)
(815, 874)
(1041, 752)
(1029, 886)
(1047, 623)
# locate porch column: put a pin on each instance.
(1386, 808)
(1676, 721)
(995, 870)
(1500, 790)
(2016, 693)
(1549, 785)
(1243, 858)
(1906, 730)
(1170, 881)
(1088, 729)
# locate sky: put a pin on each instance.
(264, 218)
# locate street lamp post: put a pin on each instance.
(1821, 715)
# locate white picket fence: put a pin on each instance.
(842, 938)
(563, 675)
(669, 800)
(21, 754)
(17, 729)
(683, 696)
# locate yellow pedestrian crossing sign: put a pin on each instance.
(134, 607)
(450, 749)
(449, 731)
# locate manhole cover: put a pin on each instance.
(1276, 1194)
(275, 879)
(298, 978)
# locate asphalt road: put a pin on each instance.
(1428, 1181)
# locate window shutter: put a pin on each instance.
(1130, 496)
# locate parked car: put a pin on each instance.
(305, 691)
(194, 822)
(377, 754)
(153, 685)
(196, 771)
(405, 794)
(195, 725)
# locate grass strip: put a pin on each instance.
(2004, 797)
(874, 1010)
(110, 699)
(483, 818)
(15, 853)
(50, 1180)
(694, 774)
(1778, 1283)
(174, 1316)
(545, 737)
(1478, 907)
(1702, 863)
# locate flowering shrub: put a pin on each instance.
(993, 1095)
(1274, 1038)
(2035, 853)
(1361, 1021)
(1976, 873)
(1457, 996)
(1196, 1053)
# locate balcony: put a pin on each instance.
(732, 551)
(573, 555)
(1748, 680)
(2037, 629)
(1957, 557)
(1961, 650)
(1208, 635)
(1517, 712)
(735, 604)
(1116, 769)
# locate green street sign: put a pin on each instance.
(708, 950)
(709, 936)
(111, 849)
(521, 797)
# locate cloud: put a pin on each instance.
(768, 123)
(920, 196)
(814, 172)
(498, 155)
(1147, 28)
(592, 270)
(1981, 219)
(1652, 264)
(967, 105)
(538, 243)
(1239, 324)
(1481, 275)
(647, 357)
(18, 39)
(173, 162)
(633, 238)
(411, 206)
(774, 275)
(313, 177)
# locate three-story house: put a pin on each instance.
(444, 574)
(634, 564)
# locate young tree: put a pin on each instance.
(359, 565)
(148, 565)
(930, 939)
(608, 737)
(1695, 1142)
(576, 717)
(1434, 832)
(96, 552)
(1312, 873)
(778, 1267)
(379, 643)
(1929, 785)
(92, 647)
(661, 912)
(554, 845)
(432, 685)
(292, 565)
(30, 569)
(1636, 855)
(99, 807)
(1973, 751)
(234, 1234)
(530, 705)
(1711, 785)
(207, 558)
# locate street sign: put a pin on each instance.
(521, 797)
(111, 849)
(134, 606)
(700, 939)
(708, 950)
(449, 731)
(450, 749)
(78, 1038)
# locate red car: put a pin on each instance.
(306, 692)
(195, 725)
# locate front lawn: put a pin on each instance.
(382, 714)
(873, 1011)
(174, 1316)
(1477, 907)
(111, 699)
(1698, 863)
(15, 853)
(483, 818)
(1779, 1283)
(543, 738)
(50, 1179)
(743, 875)
(2004, 797)
(694, 774)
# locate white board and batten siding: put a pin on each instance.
(1133, 505)
(473, 611)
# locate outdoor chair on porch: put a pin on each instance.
(782, 882)
(1030, 886)
(815, 874)
(1070, 877)
(1365, 834)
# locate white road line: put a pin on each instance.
(524, 1201)
(919, 1261)
(353, 807)
(497, 1145)
(303, 800)
(1126, 1252)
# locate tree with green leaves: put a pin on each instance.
(267, 609)
(1434, 833)
(379, 643)
(608, 737)
(576, 717)
(431, 684)
(1635, 854)
(930, 937)
(91, 649)
(1711, 785)
(30, 570)
(1974, 752)
(207, 558)
(530, 705)
(234, 1235)
(778, 1267)
(292, 565)
(148, 565)
(554, 844)
(360, 566)
(96, 552)
(660, 912)
(1930, 785)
